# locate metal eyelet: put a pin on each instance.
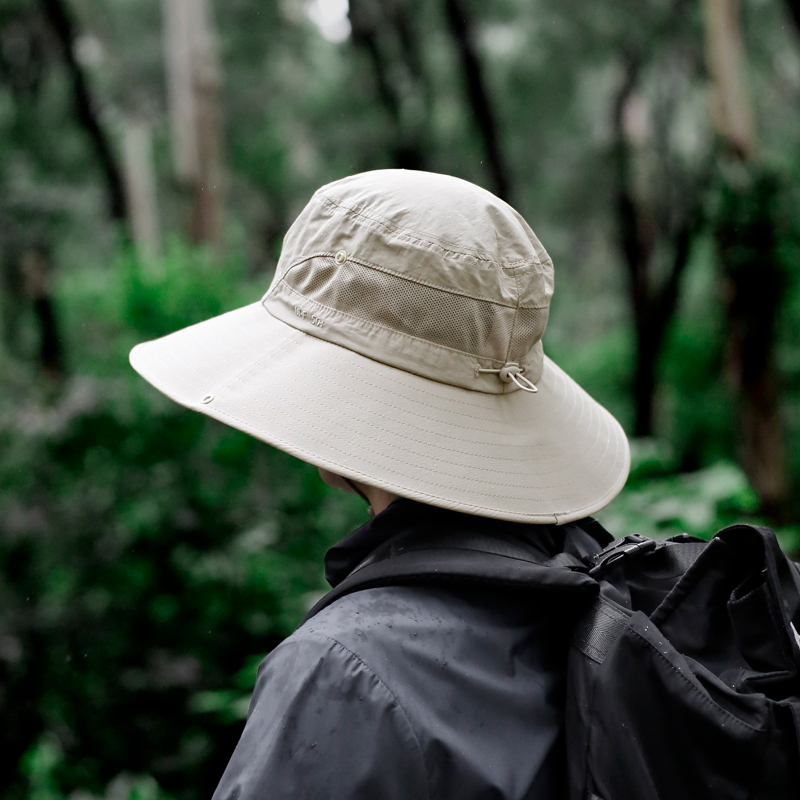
(340, 257)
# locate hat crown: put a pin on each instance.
(424, 272)
(394, 290)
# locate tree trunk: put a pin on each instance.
(733, 115)
(371, 25)
(482, 111)
(35, 268)
(793, 6)
(193, 78)
(178, 53)
(746, 240)
(754, 282)
(653, 303)
(60, 19)
(207, 216)
(12, 295)
(140, 183)
(637, 240)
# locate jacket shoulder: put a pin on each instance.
(322, 724)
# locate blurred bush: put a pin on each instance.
(150, 556)
(658, 503)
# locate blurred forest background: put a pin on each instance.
(152, 154)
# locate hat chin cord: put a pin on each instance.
(511, 373)
(370, 509)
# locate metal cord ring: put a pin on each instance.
(520, 380)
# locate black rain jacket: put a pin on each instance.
(418, 691)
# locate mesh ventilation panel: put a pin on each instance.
(528, 328)
(462, 323)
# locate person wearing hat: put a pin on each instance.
(399, 350)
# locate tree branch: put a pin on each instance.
(628, 217)
(407, 152)
(59, 17)
(478, 96)
(364, 35)
(794, 10)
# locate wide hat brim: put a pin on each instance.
(549, 457)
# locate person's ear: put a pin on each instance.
(335, 481)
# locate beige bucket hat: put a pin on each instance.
(399, 344)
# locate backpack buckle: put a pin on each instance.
(633, 544)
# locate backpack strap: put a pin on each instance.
(462, 557)
(599, 628)
(605, 621)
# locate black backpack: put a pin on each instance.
(684, 673)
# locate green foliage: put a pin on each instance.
(150, 556)
(602, 367)
(153, 556)
(230, 704)
(136, 299)
(658, 503)
(41, 762)
(696, 399)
